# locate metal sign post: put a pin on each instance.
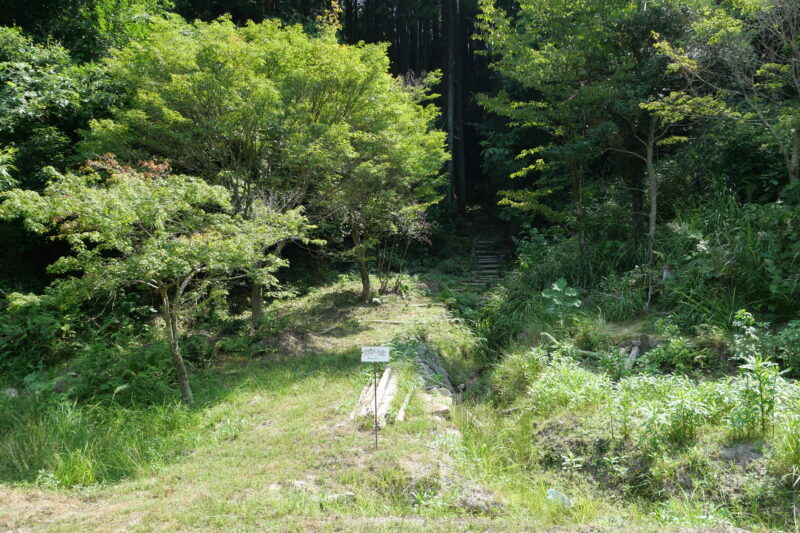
(375, 355)
(375, 410)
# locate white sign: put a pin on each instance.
(374, 354)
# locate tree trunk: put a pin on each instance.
(404, 42)
(455, 120)
(350, 20)
(652, 191)
(449, 28)
(362, 263)
(460, 163)
(171, 318)
(580, 214)
(631, 167)
(365, 286)
(794, 163)
(256, 304)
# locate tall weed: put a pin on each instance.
(66, 444)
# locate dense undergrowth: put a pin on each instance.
(710, 261)
(700, 425)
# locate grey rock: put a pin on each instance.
(646, 343)
(743, 453)
(559, 497)
(62, 385)
(11, 392)
(341, 497)
(478, 501)
(439, 409)
(445, 400)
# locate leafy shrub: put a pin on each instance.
(622, 296)
(788, 442)
(128, 373)
(726, 255)
(33, 334)
(565, 385)
(677, 421)
(591, 333)
(515, 372)
(614, 363)
(677, 354)
(518, 302)
(756, 395)
(787, 345)
(561, 298)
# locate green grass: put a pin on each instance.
(64, 444)
(648, 449)
(270, 445)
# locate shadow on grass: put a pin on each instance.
(331, 313)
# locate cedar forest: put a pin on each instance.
(586, 212)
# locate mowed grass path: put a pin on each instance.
(277, 450)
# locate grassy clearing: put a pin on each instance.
(270, 446)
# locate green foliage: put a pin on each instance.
(154, 230)
(518, 303)
(757, 73)
(678, 421)
(34, 333)
(728, 255)
(88, 28)
(565, 385)
(7, 167)
(787, 343)
(280, 117)
(758, 392)
(44, 98)
(66, 445)
(150, 230)
(788, 447)
(677, 354)
(512, 375)
(561, 297)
